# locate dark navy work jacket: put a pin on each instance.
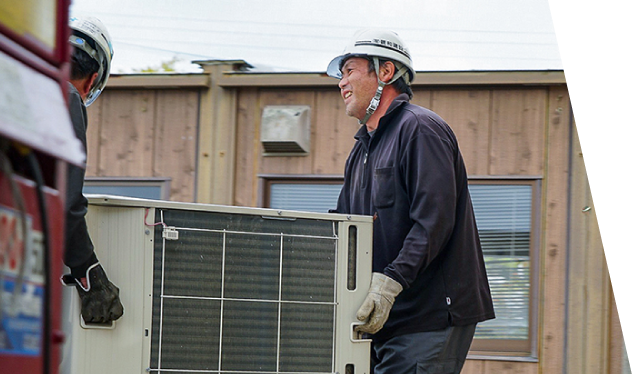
(79, 250)
(411, 178)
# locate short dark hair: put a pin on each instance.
(82, 65)
(400, 84)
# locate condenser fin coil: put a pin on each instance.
(261, 285)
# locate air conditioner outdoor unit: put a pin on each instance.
(217, 289)
(285, 130)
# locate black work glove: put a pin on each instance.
(100, 302)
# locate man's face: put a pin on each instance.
(357, 86)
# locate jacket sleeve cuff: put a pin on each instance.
(79, 272)
(391, 273)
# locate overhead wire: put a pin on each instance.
(327, 27)
(208, 37)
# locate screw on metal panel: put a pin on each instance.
(279, 212)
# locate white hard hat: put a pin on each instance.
(90, 35)
(374, 43)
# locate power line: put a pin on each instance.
(423, 57)
(313, 49)
(120, 41)
(328, 27)
(176, 52)
(308, 41)
(228, 33)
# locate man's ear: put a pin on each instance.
(387, 71)
(89, 83)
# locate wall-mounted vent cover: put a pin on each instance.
(237, 290)
(285, 130)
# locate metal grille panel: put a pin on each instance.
(243, 294)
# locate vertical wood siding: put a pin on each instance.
(502, 131)
(145, 133)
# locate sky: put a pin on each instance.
(303, 36)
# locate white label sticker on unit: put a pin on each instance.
(170, 233)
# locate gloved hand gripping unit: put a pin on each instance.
(100, 302)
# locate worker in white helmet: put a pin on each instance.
(429, 287)
(90, 68)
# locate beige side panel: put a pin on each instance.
(247, 148)
(95, 114)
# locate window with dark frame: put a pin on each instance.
(506, 216)
(154, 188)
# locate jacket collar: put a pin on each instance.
(400, 100)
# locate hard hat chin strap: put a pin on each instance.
(375, 101)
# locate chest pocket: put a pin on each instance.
(384, 187)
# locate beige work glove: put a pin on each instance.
(378, 303)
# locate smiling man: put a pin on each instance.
(429, 287)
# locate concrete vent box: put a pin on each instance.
(285, 130)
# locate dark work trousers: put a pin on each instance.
(431, 352)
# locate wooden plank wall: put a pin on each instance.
(145, 133)
(331, 139)
(503, 131)
(590, 292)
